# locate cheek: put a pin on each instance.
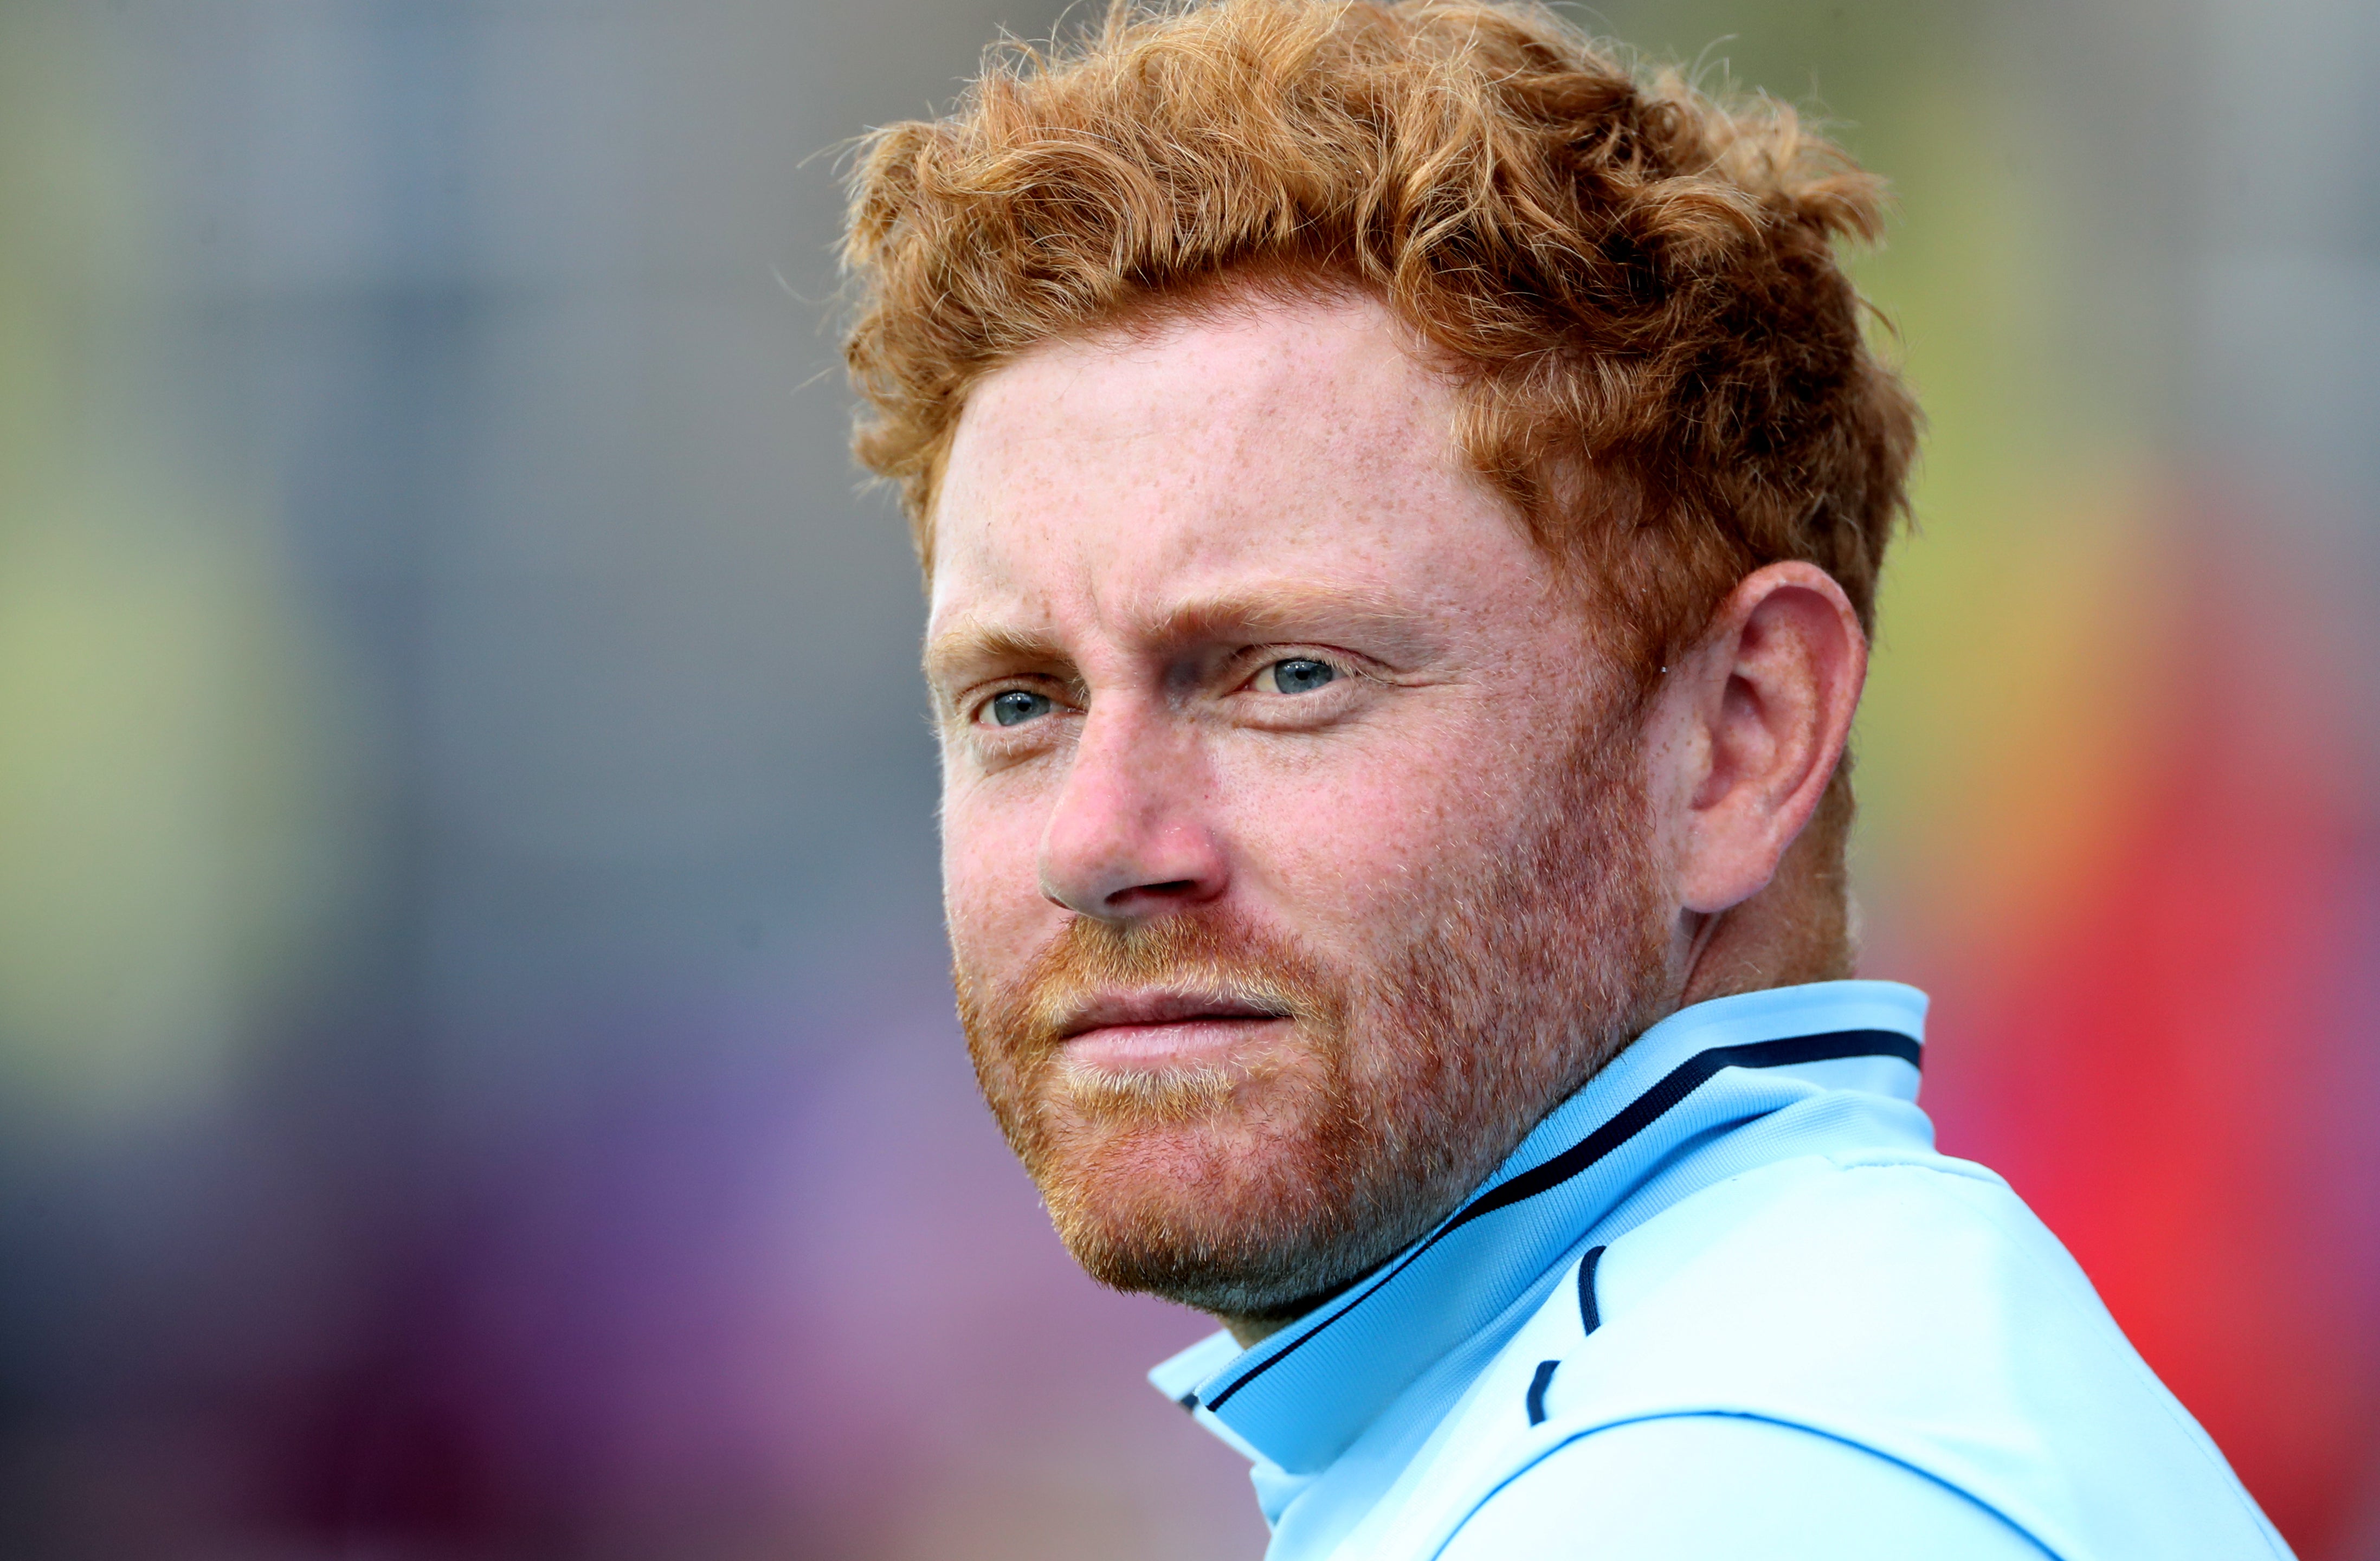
(991, 892)
(1351, 842)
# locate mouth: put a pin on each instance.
(1149, 1029)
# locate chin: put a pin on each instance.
(1238, 1213)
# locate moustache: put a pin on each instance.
(1217, 957)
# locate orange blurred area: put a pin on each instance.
(474, 1052)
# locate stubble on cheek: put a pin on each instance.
(1209, 1184)
(1484, 992)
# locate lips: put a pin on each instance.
(1162, 1007)
(1163, 1028)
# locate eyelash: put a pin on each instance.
(980, 710)
(1273, 659)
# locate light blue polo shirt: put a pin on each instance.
(1726, 1302)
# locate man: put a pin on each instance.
(1401, 503)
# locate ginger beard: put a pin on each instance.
(1496, 987)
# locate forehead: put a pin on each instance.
(1276, 442)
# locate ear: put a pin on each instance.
(1749, 727)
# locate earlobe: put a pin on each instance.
(1768, 707)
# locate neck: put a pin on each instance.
(1796, 929)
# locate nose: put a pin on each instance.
(1129, 838)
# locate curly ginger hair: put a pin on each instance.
(1627, 279)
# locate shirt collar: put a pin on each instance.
(1297, 1399)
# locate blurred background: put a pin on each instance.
(476, 1074)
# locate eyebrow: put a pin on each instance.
(971, 642)
(1277, 610)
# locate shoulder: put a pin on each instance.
(1899, 1315)
(1840, 1272)
(1722, 1487)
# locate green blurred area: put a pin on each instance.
(167, 841)
(2011, 624)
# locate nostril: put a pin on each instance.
(1172, 889)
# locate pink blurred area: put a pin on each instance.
(2174, 1061)
(777, 1303)
(477, 1081)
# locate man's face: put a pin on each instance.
(1293, 843)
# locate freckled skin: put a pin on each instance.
(1132, 537)
(1093, 488)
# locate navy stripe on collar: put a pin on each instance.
(1631, 1120)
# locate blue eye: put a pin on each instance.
(1299, 674)
(1018, 705)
